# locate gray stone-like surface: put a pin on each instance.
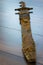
(10, 59)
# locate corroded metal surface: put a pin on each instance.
(28, 45)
